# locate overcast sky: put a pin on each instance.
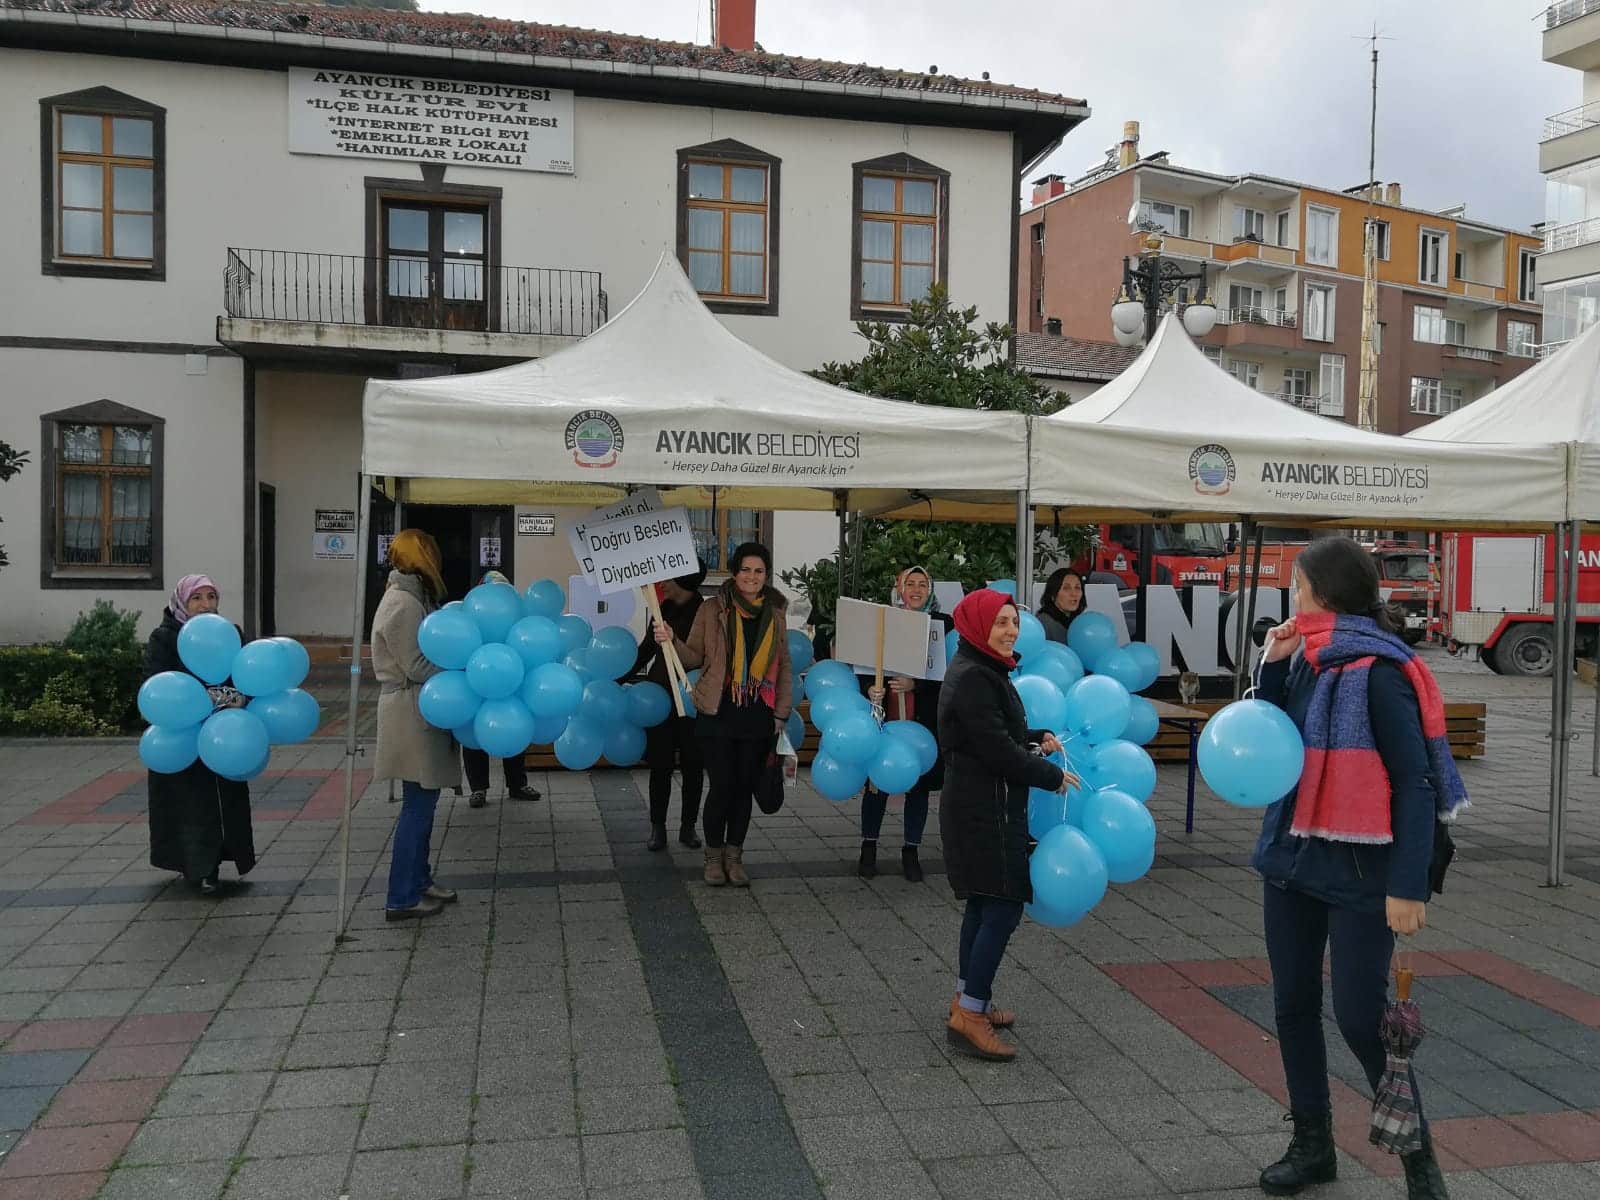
(1266, 86)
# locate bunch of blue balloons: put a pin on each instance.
(856, 749)
(516, 672)
(1250, 753)
(186, 724)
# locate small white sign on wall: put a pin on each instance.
(333, 545)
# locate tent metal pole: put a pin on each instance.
(1024, 565)
(351, 745)
(1255, 584)
(1241, 657)
(844, 540)
(1563, 612)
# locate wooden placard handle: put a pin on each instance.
(667, 650)
(877, 677)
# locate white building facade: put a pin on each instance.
(224, 227)
(1569, 156)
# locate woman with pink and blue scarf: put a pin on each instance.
(1348, 858)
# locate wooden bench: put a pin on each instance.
(1464, 722)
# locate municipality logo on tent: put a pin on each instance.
(595, 438)
(1211, 470)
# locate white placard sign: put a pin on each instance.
(456, 122)
(905, 638)
(626, 552)
(643, 501)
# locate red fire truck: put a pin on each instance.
(1498, 595)
(1189, 553)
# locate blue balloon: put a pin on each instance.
(1124, 766)
(262, 667)
(175, 699)
(1097, 707)
(1046, 810)
(1250, 753)
(1121, 666)
(544, 598)
(495, 608)
(553, 690)
(1122, 830)
(795, 727)
(852, 739)
(576, 633)
(448, 637)
(688, 693)
(1149, 662)
(504, 727)
(604, 703)
(801, 652)
(452, 604)
(834, 780)
(536, 640)
(234, 743)
(578, 660)
(447, 700)
(1091, 635)
(580, 745)
(1030, 635)
(207, 645)
(896, 768)
(1042, 701)
(624, 745)
(299, 660)
(494, 671)
(290, 716)
(832, 703)
(797, 688)
(952, 643)
(1006, 586)
(830, 672)
(921, 740)
(613, 652)
(1056, 663)
(1068, 871)
(648, 704)
(1050, 918)
(168, 749)
(547, 729)
(467, 736)
(1143, 723)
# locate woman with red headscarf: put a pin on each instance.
(991, 759)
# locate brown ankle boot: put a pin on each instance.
(1000, 1018)
(972, 1032)
(715, 877)
(733, 863)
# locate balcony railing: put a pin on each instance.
(1577, 233)
(1574, 119)
(1323, 405)
(1479, 353)
(411, 293)
(1569, 10)
(1250, 315)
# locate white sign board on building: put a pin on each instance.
(626, 552)
(420, 118)
(333, 545)
(536, 524)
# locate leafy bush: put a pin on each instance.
(63, 709)
(103, 630)
(84, 686)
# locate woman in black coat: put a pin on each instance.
(672, 743)
(990, 764)
(905, 700)
(198, 820)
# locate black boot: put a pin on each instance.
(910, 866)
(1424, 1180)
(658, 836)
(687, 836)
(867, 864)
(1310, 1158)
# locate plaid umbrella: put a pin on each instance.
(1394, 1107)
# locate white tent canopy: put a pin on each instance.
(1556, 403)
(663, 394)
(1174, 435)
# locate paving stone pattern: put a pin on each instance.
(591, 1021)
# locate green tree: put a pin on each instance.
(11, 461)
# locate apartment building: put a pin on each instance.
(1458, 302)
(1569, 156)
(227, 218)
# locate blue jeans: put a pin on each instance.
(986, 927)
(409, 872)
(1359, 945)
(875, 803)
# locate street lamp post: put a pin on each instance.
(1147, 284)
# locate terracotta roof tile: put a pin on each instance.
(466, 31)
(1079, 358)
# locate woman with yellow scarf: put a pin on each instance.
(740, 642)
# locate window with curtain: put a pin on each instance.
(1425, 395)
(1318, 324)
(1322, 235)
(718, 531)
(899, 232)
(1427, 324)
(104, 481)
(1297, 382)
(1521, 338)
(1527, 276)
(1249, 223)
(1247, 373)
(1330, 384)
(104, 187)
(727, 220)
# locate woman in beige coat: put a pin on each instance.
(421, 756)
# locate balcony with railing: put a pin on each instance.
(405, 304)
(1254, 315)
(1473, 360)
(1257, 328)
(1569, 10)
(1574, 233)
(1323, 405)
(1572, 34)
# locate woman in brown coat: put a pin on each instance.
(740, 642)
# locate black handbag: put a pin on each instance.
(769, 787)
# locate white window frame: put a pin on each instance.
(1332, 214)
(1527, 275)
(1377, 336)
(1249, 222)
(1255, 298)
(1425, 395)
(1182, 215)
(1297, 382)
(1330, 384)
(1526, 346)
(1455, 332)
(1427, 324)
(1383, 239)
(1214, 353)
(1246, 372)
(1325, 334)
(1441, 265)
(1280, 300)
(1283, 228)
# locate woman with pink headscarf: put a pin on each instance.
(198, 820)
